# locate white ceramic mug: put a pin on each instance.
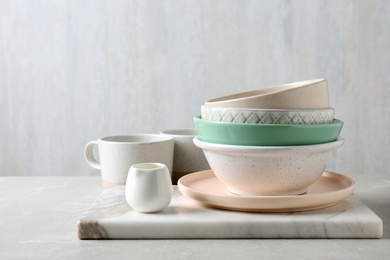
(187, 157)
(118, 153)
(148, 187)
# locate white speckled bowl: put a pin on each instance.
(268, 116)
(268, 170)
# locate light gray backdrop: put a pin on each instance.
(73, 71)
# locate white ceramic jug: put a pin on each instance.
(148, 187)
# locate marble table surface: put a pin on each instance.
(39, 216)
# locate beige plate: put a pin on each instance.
(206, 189)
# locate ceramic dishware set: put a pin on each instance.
(275, 141)
(263, 151)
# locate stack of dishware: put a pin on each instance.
(272, 141)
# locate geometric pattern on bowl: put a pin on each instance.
(271, 116)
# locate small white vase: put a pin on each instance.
(148, 187)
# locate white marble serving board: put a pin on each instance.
(110, 217)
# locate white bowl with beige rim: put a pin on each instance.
(309, 94)
(268, 116)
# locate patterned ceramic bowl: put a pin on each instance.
(268, 116)
(268, 170)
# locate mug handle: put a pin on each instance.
(88, 152)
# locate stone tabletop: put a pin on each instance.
(39, 216)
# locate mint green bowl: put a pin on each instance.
(266, 134)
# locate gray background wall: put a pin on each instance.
(73, 71)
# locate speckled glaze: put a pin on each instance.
(262, 170)
(187, 157)
(118, 153)
(309, 94)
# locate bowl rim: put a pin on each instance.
(239, 149)
(267, 91)
(305, 110)
(234, 124)
(180, 132)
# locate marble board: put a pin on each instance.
(110, 217)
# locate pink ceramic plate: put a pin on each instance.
(206, 189)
